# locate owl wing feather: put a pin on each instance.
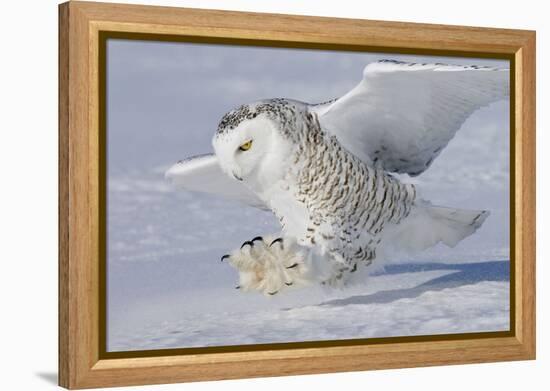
(403, 114)
(203, 174)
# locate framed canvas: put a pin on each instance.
(389, 222)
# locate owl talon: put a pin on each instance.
(280, 240)
(257, 238)
(292, 266)
(249, 242)
(225, 257)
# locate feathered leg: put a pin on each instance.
(271, 264)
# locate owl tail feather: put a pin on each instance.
(428, 225)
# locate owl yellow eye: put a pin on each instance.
(246, 146)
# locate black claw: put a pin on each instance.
(292, 266)
(272, 293)
(257, 238)
(249, 242)
(288, 283)
(238, 287)
(275, 241)
(225, 256)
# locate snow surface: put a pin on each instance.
(166, 286)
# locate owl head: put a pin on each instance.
(251, 146)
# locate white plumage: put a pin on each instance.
(327, 171)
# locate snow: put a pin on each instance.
(166, 286)
(418, 303)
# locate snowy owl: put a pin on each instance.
(334, 173)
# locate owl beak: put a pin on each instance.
(237, 177)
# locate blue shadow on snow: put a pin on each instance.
(465, 274)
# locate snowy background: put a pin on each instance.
(166, 286)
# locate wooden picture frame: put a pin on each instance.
(83, 26)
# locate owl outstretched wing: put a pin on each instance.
(402, 115)
(203, 174)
